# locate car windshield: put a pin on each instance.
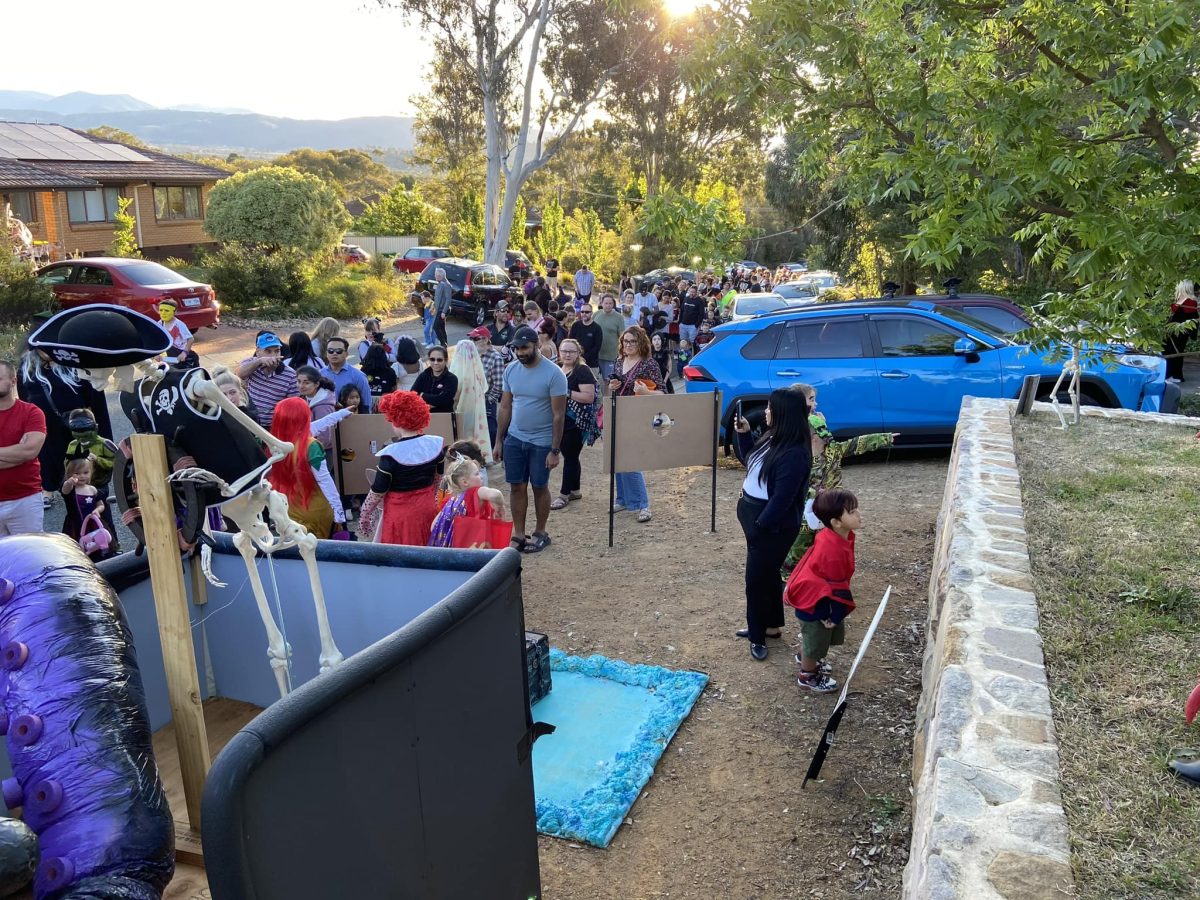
(990, 330)
(754, 304)
(147, 273)
(823, 281)
(790, 291)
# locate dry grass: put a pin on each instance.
(1111, 511)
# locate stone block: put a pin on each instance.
(1024, 876)
(1019, 644)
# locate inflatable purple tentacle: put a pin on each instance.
(73, 712)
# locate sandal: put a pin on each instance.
(560, 502)
(575, 495)
(536, 542)
(517, 543)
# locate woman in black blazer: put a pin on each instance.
(771, 508)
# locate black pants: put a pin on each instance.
(572, 471)
(439, 330)
(765, 552)
(1177, 343)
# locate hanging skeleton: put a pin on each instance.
(229, 467)
(1072, 367)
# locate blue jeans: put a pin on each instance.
(525, 462)
(688, 333)
(606, 370)
(631, 490)
(490, 407)
(427, 323)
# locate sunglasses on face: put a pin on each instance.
(333, 351)
(434, 359)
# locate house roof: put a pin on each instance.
(16, 175)
(85, 160)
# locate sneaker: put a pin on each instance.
(823, 667)
(618, 507)
(758, 651)
(1174, 381)
(817, 682)
(644, 515)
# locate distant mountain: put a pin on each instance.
(246, 133)
(23, 99)
(83, 102)
(200, 107)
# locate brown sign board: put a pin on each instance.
(660, 431)
(353, 453)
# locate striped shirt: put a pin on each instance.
(493, 367)
(266, 389)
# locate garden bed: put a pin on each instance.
(1110, 510)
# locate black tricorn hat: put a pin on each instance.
(100, 336)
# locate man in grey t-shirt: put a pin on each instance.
(533, 407)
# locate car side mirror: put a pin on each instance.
(965, 347)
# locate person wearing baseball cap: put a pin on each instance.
(533, 407)
(267, 377)
(502, 328)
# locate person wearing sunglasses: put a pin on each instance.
(437, 385)
(342, 373)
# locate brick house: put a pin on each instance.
(64, 185)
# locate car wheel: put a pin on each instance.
(480, 315)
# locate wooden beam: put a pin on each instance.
(174, 627)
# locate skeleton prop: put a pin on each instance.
(198, 421)
(1071, 367)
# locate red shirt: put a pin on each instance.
(827, 567)
(20, 481)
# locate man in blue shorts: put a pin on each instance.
(533, 407)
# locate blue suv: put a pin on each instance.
(898, 365)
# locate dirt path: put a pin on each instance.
(724, 816)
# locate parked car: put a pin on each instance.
(996, 311)
(477, 287)
(799, 266)
(137, 284)
(821, 279)
(658, 276)
(899, 365)
(798, 293)
(746, 306)
(352, 254)
(518, 264)
(415, 259)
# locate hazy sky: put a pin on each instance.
(313, 59)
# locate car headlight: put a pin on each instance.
(1139, 361)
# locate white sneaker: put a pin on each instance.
(644, 515)
(1174, 381)
(618, 507)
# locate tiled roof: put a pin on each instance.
(16, 175)
(77, 156)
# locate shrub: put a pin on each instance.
(1189, 405)
(380, 267)
(246, 279)
(21, 294)
(351, 298)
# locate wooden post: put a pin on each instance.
(174, 628)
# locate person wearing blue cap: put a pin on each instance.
(267, 377)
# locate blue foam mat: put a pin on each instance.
(613, 721)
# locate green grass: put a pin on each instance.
(1111, 515)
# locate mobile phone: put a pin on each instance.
(737, 413)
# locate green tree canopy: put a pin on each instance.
(352, 172)
(274, 207)
(401, 211)
(109, 133)
(550, 242)
(592, 244)
(1070, 129)
(704, 225)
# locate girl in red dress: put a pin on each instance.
(401, 506)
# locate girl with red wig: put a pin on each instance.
(406, 476)
(303, 475)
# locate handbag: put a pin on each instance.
(98, 540)
(479, 528)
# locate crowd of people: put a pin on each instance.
(526, 389)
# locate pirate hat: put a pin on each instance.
(100, 336)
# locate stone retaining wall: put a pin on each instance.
(988, 820)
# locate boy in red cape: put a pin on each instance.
(819, 587)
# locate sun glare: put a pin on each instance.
(680, 8)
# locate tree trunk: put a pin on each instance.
(493, 141)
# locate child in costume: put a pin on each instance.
(401, 505)
(467, 497)
(82, 499)
(826, 470)
(299, 475)
(180, 353)
(819, 588)
(86, 441)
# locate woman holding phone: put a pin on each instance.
(771, 507)
(636, 373)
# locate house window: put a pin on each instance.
(97, 205)
(24, 205)
(177, 202)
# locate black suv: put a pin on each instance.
(478, 287)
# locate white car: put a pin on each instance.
(798, 293)
(747, 306)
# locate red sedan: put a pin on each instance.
(136, 283)
(415, 259)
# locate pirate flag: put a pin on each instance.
(831, 727)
